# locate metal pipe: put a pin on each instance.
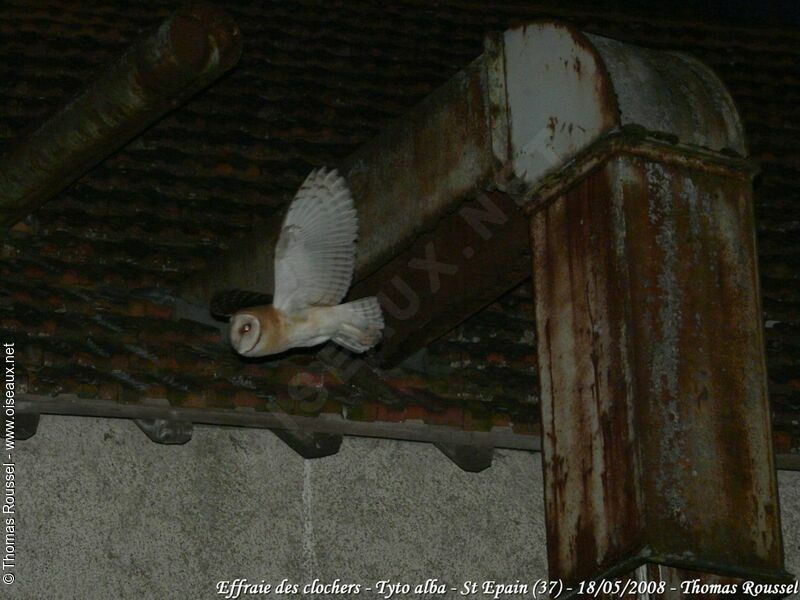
(189, 50)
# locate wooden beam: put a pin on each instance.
(414, 431)
(31, 406)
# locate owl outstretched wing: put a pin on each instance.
(315, 253)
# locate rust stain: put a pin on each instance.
(580, 286)
(700, 313)
(651, 369)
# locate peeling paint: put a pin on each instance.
(665, 354)
(673, 94)
(652, 376)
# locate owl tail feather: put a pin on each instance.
(361, 324)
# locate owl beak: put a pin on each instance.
(250, 349)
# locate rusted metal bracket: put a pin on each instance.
(188, 51)
(310, 445)
(25, 425)
(164, 431)
(472, 459)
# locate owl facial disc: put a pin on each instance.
(245, 333)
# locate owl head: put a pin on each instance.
(245, 333)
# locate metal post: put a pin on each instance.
(655, 417)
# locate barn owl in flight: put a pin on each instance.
(314, 260)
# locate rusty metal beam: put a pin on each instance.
(433, 245)
(403, 181)
(473, 255)
(419, 192)
(188, 51)
(653, 387)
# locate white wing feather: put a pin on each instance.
(315, 254)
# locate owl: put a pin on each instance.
(314, 261)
